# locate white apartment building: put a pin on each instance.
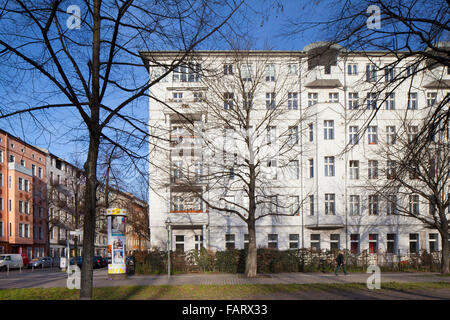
(328, 101)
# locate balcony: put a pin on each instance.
(19, 168)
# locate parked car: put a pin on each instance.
(105, 261)
(97, 262)
(45, 262)
(14, 261)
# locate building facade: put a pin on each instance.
(23, 197)
(328, 100)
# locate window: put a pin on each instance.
(26, 207)
(270, 100)
(227, 69)
(413, 242)
(354, 243)
(433, 242)
(373, 243)
(178, 203)
(354, 169)
(312, 98)
(21, 230)
(248, 101)
(11, 158)
(371, 73)
(373, 169)
(372, 134)
(229, 241)
(228, 100)
(295, 205)
(311, 131)
(353, 100)
(352, 69)
(2, 234)
(198, 96)
(20, 206)
(20, 184)
(1, 204)
(315, 242)
(353, 135)
(411, 70)
(246, 239)
(412, 133)
(273, 172)
(292, 68)
(431, 99)
(373, 204)
(355, 205)
(272, 241)
(33, 170)
(330, 204)
(391, 204)
(328, 129)
(1, 156)
(327, 69)
(27, 231)
(390, 135)
(270, 72)
(177, 96)
(22, 163)
(333, 97)
(412, 101)
(390, 101)
(271, 136)
(391, 242)
(311, 168)
(294, 241)
(389, 73)
(293, 135)
(190, 73)
(311, 205)
(329, 166)
(371, 101)
(292, 100)
(198, 170)
(246, 72)
(177, 172)
(414, 204)
(294, 170)
(40, 172)
(334, 242)
(179, 243)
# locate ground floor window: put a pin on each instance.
(315, 241)
(293, 241)
(334, 242)
(272, 241)
(373, 243)
(354, 243)
(229, 241)
(413, 242)
(198, 242)
(433, 239)
(179, 243)
(391, 240)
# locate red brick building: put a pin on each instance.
(23, 197)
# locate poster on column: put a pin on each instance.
(117, 238)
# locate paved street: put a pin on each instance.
(55, 278)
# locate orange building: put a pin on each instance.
(23, 197)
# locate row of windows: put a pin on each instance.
(23, 231)
(334, 242)
(356, 206)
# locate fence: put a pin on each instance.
(273, 261)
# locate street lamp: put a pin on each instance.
(168, 246)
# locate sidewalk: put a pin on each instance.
(48, 279)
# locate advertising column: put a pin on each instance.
(116, 242)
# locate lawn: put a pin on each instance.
(204, 292)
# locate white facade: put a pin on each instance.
(336, 174)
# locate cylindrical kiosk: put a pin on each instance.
(117, 242)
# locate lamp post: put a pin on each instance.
(168, 246)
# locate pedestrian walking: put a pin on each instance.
(340, 263)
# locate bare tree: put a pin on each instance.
(85, 55)
(416, 185)
(237, 143)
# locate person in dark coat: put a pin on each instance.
(340, 263)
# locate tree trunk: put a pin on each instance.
(89, 220)
(445, 252)
(251, 259)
